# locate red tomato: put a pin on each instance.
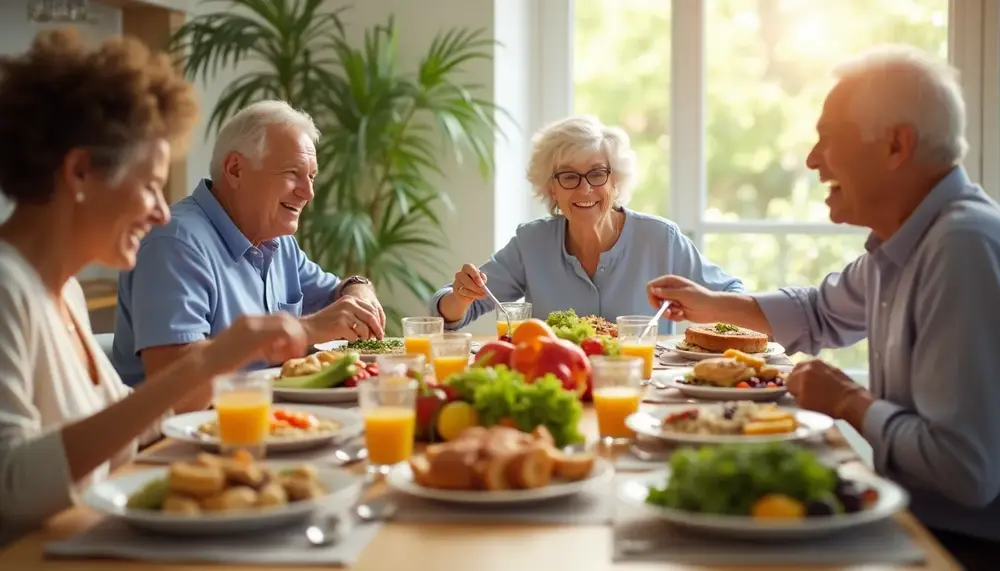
(592, 346)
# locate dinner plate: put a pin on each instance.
(309, 396)
(340, 345)
(647, 423)
(400, 478)
(111, 497)
(891, 499)
(773, 350)
(184, 427)
(675, 378)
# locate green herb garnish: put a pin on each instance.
(370, 346)
(726, 328)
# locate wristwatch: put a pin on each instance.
(355, 280)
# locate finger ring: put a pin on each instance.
(354, 326)
(460, 288)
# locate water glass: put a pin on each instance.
(242, 404)
(617, 393)
(388, 407)
(519, 312)
(417, 332)
(450, 353)
(401, 367)
(634, 342)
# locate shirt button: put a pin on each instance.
(885, 304)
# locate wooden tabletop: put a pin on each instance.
(441, 547)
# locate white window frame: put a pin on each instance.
(974, 48)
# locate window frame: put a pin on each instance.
(973, 48)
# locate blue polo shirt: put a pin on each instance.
(195, 275)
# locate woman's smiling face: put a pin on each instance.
(584, 188)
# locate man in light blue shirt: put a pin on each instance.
(229, 250)
(926, 295)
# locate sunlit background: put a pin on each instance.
(768, 64)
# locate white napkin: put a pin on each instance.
(283, 546)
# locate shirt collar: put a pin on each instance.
(236, 242)
(898, 248)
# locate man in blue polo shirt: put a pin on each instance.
(230, 250)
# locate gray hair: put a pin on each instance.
(899, 84)
(246, 132)
(565, 140)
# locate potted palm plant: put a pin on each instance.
(384, 129)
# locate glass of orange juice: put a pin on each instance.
(417, 332)
(388, 406)
(636, 343)
(242, 404)
(450, 353)
(617, 393)
(519, 311)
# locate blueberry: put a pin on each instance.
(823, 507)
(850, 496)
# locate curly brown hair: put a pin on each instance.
(62, 95)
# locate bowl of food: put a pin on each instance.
(728, 422)
(216, 495)
(705, 341)
(499, 465)
(734, 376)
(773, 491)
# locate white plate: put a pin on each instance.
(647, 422)
(309, 396)
(111, 496)
(773, 350)
(341, 344)
(184, 427)
(721, 393)
(891, 499)
(401, 478)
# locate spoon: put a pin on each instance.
(659, 314)
(351, 453)
(329, 531)
(500, 307)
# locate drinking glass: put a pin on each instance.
(519, 311)
(243, 410)
(450, 353)
(617, 393)
(632, 341)
(417, 333)
(388, 406)
(401, 366)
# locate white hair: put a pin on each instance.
(246, 132)
(899, 84)
(573, 138)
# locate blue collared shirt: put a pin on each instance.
(536, 266)
(928, 299)
(194, 276)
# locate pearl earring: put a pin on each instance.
(80, 197)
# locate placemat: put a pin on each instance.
(284, 546)
(179, 451)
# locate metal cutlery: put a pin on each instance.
(659, 314)
(500, 307)
(330, 530)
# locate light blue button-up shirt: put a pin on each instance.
(928, 299)
(194, 276)
(536, 266)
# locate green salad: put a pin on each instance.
(376, 346)
(731, 479)
(497, 393)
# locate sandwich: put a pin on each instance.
(720, 337)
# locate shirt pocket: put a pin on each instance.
(293, 307)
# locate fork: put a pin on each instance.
(500, 307)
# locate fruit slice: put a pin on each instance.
(454, 418)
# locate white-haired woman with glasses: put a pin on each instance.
(592, 254)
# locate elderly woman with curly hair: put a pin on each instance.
(592, 254)
(85, 143)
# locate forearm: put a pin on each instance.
(452, 307)
(742, 310)
(93, 440)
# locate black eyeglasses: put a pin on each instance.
(571, 179)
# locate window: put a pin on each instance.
(721, 99)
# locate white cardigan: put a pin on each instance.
(43, 386)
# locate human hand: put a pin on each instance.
(273, 338)
(820, 387)
(366, 293)
(469, 284)
(688, 300)
(350, 318)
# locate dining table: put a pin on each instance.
(446, 547)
